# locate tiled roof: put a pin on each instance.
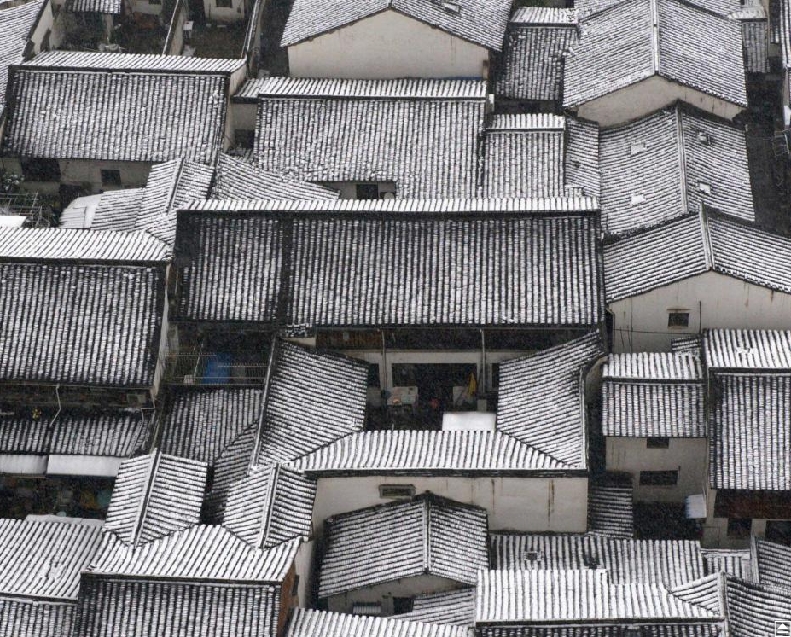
(583, 157)
(203, 421)
(627, 561)
(436, 451)
(750, 437)
(117, 210)
(532, 61)
(524, 156)
(335, 262)
(118, 433)
(44, 559)
(705, 592)
(753, 610)
(197, 553)
(151, 63)
(272, 505)
(532, 596)
(610, 510)
(772, 563)
(687, 247)
(687, 45)
(239, 179)
(655, 169)
(25, 618)
(154, 496)
(731, 349)
(785, 32)
(16, 24)
(454, 607)
(316, 623)
(50, 244)
(426, 535)
(718, 7)
(111, 7)
(102, 323)
(541, 399)
(653, 394)
(313, 399)
(736, 562)
(166, 609)
(115, 115)
(755, 35)
(478, 21)
(424, 136)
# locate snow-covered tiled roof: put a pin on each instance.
(102, 323)
(683, 44)
(118, 433)
(454, 607)
(426, 535)
(478, 21)
(772, 563)
(541, 399)
(60, 244)
(151, 63)
(239, 179)
(154, 496)
(334, 262)
(60, 112)
(668, 164)
(16, 24)
(743, 349)
(755, 36)
(108, 7)
(753, 610)
(423, 135)
(441, 452)
(653, 394)
(690, 246)
(117, 210)
(316, 623)
(610, 505)
(272, 505)
(536, 40)
(750, 433)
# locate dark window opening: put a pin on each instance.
(367, 191)
(494, 377)
(111, 178)
(373, 375)
(678, 319)
(739, 527)
(41, 169)
(659, 478)
(396, 490)
(402, 605)
(352, 339)
(244, 137)
(658, 443)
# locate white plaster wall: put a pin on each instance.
(82, 171)
(348, 189)
(46, 22)
(686, 455)
(100, 466)
(384, 593)
(387, 45)
(147, 8)
(302, 565)
(243, 115)
(647, 96)
(518, 504)
(23, 464)
(712, 299)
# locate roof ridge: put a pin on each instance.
(682, 156)
(266, 522)
(654, 7)
(705, 232)
(142, 510)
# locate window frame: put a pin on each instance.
(108, 176)
(657, 442)
(678, 325)
(408, 489)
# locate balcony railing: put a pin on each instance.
(23, 204)
(206, 368)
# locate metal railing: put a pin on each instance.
(23, 204)
(207, 368)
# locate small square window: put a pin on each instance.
(658, 443)
(367, 191)
(396, 490)
(739, 527)
(223, 4)
(111, 178)
(41, 169)
(677, 318)
(659, 478)
(373, 375)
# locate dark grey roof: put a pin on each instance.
(203, 421)
(65, 113)
(627, 561)
(424, 135)
(25, 618)
(272, 505)
(531, 67)
(154, 496)
(755, 35)
(667, 165)
(102, 323)
(541, 399)
(447, 452)
(687, 45)
(524, 156)
(772, 563)
(403, 266)
(240, 179)
(16, 23)
(454, 607)
(753, 610)
(750, 433)
(60, 244)
(110, 7)
(119, 433)
(316, 623)
(610, 510)
(691, 246)
(653, 394)
(742, 349)
(478, 21)
(426, 535)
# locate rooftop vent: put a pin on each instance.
(452, 7)
(704, 187)
(532, 556)
(704, 138)
(637, 199)
(637, 147)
